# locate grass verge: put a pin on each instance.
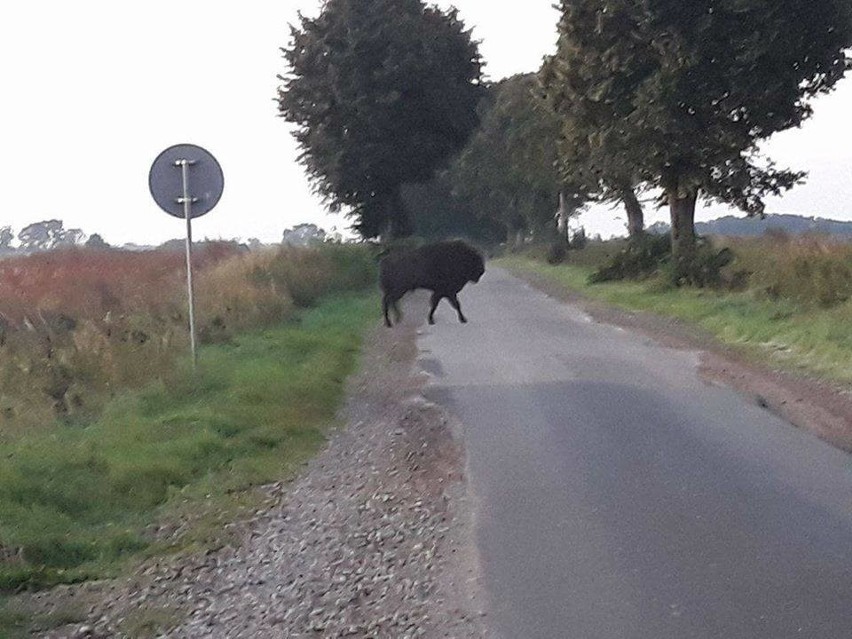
(807, 339)
(80, 502)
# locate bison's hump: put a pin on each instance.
(442, 266)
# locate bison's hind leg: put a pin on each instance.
(454, 300)
(436, 298)
(391, 302)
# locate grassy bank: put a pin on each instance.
(789, 331)
(183, 454)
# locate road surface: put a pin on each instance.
(620, 496)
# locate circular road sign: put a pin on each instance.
(205, 180)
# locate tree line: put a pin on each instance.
(49, 235)
(44, 236)
(397, 126)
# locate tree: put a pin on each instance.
(508, 170)
(6, 237)
(303, 235)
(382, 93)
(69, 237)
(48, 234)
(95, 241)
(678, 94)
(40, 236)
(588, 145)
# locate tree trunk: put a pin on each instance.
(562, 217)
(399, 223)
(683, 226)
(635, 215)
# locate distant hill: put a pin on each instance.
(750, 226)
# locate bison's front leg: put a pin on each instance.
(436, 297)
(454, 300)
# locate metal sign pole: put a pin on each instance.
(186, 200)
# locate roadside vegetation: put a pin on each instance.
(78, 326)
(154, 459)
(112, 449)
(783, 300)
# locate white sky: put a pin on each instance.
(93, 90)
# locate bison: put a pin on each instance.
(443, 268)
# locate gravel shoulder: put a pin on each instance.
(806, 402)
(373, 539)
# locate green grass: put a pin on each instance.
(80, 502)
(804, 338)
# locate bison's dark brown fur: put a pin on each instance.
(443, 268)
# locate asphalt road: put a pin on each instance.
(618, 495)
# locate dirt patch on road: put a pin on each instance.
(373, 539)
(808, 403)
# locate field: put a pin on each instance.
(133, 455)
(77, 326)
(793, 308)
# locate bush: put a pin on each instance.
(557, 251)
(308, 274)
(702, 269)
(649, 255)
(641, 258)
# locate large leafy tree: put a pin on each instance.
(678, 94)
(383, 92)
(589, 146)
(508, 170)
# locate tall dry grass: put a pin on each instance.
(809, 270)
(78, 326)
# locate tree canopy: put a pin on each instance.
(382, 93)
(678, 94)
(508, 170)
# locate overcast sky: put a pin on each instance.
(94, 90)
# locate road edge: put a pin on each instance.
(814, 405)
